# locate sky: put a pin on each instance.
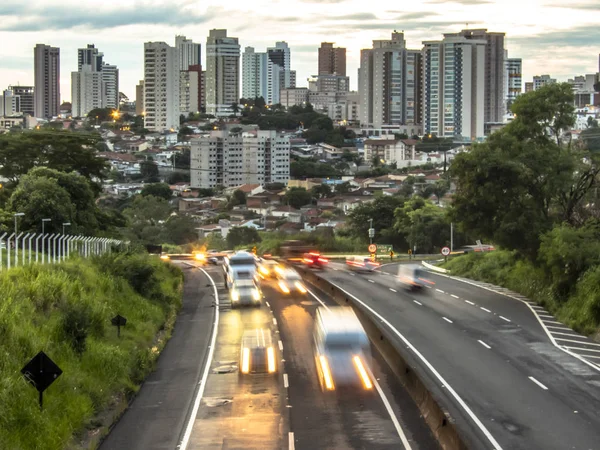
(552, 37)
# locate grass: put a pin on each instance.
(580, 310)
(65, 310)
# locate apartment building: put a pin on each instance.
(87, 90)
(513, 81)
(223, 160)
(189, 52)
(222, 73)
(47, 81)
(542, 80)
(110, 80)
(389, 80)
(332, 60)
(10, 104)
(190, 89)
(345, 111)
(294, 96)
(139, 98)
(454, 87)
(26, 98)
(161, 86)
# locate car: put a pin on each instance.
(342, 349)
(267, 267)
(361, 264)
(412, 277)
(314, 259)
(245, 292)
(257, 354)
(290, 281)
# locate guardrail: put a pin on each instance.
(414, 378)
(435, 268)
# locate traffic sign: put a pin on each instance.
(372, 248)
(384, 249)
(41, 372)
(371, 232)
(445, 251)
(373, 257)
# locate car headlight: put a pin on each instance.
(300, 287)
(264, 270)
(200, 256)
(284, 287)
(256, 294)
(235, 295)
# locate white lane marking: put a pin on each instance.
(447, 320)
(546, 315)
(291, 444)
(393, 290)
(569, 334)
(440, 291)
(470, 303)
(280, 346)
(441, 379)
(579, 342)
(418, 303)
(558, 328)
(428, 287)
(484, 344)
(318, 299)
(370, 281)
(211, 351)
(390, 411)
(582, 349)
(551, 321)
(274, 321)
(267, 303)
(504, 318)
(530, 305)
(592, 356)
(485, 309)
(538, 383)
(286, 382)
(455, 296)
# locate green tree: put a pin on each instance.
(381, 210)
(239, 197)
(161, 190)
(146, 216)
(149, 171)
(297, 197)
(423, 225)
(321, 191)
(342, 188)
(242, 236)
(179, 230)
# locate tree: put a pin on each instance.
(527, 176)
(321, 191)
(98, 115)
(146, 216)
(235, 107)
(237, 198)
(161, 190)
(242, 236)
(342, 188)
(381, 210)
(423, 225)
(297, 197)
(149, 171)
(179, 230)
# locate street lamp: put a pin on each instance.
(44, 222)
(16, 224)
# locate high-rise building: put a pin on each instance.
(454, 87)
(281, 56)
(494, 102)
(542, 80)
(222, 160)
(26, 98)
(332, 60)
(189, 52)
(87, 90)
(222, 73)
(161, 86)
(47, 81)
(90, 56)
(10, 104)
(513, 81)
(389, 83)
(110, 79)
(139, 98)
(528, 86)
(254, 76)
(190, 89)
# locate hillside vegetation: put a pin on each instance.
(65, 310)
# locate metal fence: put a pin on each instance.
(49, 248)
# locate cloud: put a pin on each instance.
(65, 18)
(356, 16)
(416, 15)
(461, 2)
(322, 1)
(595, 6)
(16, 62)
(582, 36)
(399, 26)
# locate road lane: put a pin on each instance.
(494, 382)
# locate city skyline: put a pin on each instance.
(555, 40)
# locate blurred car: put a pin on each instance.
(257, 354)
(289, 281)
(314, 259)
(267, 267)
(200, 257)
(342, 349)
(245, 292)
(412, 277)
(361, 264)
(165, 257)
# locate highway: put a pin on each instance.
(197, 398)
(504, 381)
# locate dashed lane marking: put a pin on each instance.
(286, 383)
(484, 344)
(447, 320)
(418, 303)
(280, 346)
(455, 296)
(469, 302)
(538, 383)
(485, 309)
(504, 318)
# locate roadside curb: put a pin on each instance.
(434, 268)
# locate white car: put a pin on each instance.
(361, 264)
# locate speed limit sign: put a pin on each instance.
(372, 248)
(445, 251)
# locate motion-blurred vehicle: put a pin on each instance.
(361, 264)
(412, 277)
(289, 281)
(292, 251)
(239, 266)
(314, 259)
(257, 354)
(266, 268)
(245, 292)
(165, 257)
(200, 257)
(342, 349)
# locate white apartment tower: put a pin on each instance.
(389, 83)
(47, 81)
(10, 104)
(254, 79)
(222, 160)
(161, 86)
(110, 79)
(454, 87)
(189, 52)
(222, 73)
(513, 81)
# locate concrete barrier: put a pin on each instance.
(434, 268)
(412, 377)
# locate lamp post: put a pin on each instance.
(44, 223)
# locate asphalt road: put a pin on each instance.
(157, 415)
(524, 392)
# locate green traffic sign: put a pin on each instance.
(384, 249)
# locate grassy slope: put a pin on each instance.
(51, 308)
(581, 310)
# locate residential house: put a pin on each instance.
(248, 189)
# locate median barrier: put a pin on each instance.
(434, 268)
(418, 382)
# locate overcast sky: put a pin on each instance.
(560, 40)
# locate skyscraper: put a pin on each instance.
(26, 98)
(389, 80)
(139, 98)
(161, 86)
(266, 74)
(90, 56)
(110, 80)
(47, 81)
(281, 55)
(189, 52)
(222, 72)
(254, 79)
(514, 81)
(454, 87)
(332, 60)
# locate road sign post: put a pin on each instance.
(445, 252)
(118, 321)
(41, 372)
(372, 248)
